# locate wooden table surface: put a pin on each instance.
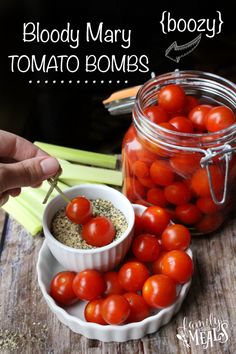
(27, 323)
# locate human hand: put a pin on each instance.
(22, 164)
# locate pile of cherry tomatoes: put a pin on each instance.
(174, 179)
(148, 279)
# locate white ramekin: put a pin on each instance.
(101, 258)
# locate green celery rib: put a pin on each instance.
(81, 156)
(73, 173)
(23, 216)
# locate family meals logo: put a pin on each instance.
(203, 333)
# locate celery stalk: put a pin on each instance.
(72, 173)
(81, 156)
(22, 215)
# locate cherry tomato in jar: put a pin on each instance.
(198, 116)
(182, 124)
(99, 231)
(140, 169)
(79, 210)
(188, 214)
(207, 205)
(210, 223)
(190, 103)
(185, 164)
(88, 285)
(112, 284)
(146, 248)
(132, 275)
(219, 118)
(155, 220)
(156, 114)
(147, 182)
(133, 189)
(146, 156)
(175, 237)
(115, 309)
(93, 312)
(157, 265)
(178, 266)
(138, 307)
(171, 98)
(178, 193)
(161, 173)
(168, 126)
(61, 288)
(200, 182)
(159, 291)
(156, 196)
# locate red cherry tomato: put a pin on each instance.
(168, 126)
(182, 124)
(161, 173)
(198, 116)
(156, 196)
(138, 307)
(188, 214)
(156, 114)
(146, 156)
(210, 223)
(178, 193)
(98, 231)
(115, 309)
(133, 189)
(175, 237)
(132, 275)
(138, 226)
(147, 182)
(200, 182)
(157, 265)
(112, 284)
(140, 169)
(93, 312)
(190, 103)
(88, 285)
(171, 98)
(155, 220)
(61, 288)
(207, 206)
(159, 291)
(178, 266)
(79, 210)
(184, 164)
(219, 118)
(146, 248)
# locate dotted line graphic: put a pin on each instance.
(78, 81)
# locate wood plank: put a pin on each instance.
(24, 311)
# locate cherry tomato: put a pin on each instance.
(200, 182)
(98, 231)
(146, 156)
(61, 288)
(140, 169)
(155, 220)
(132, 275)
(88, 285)
(79, 210)
(168, 126)
(171, 98)
(159, 291)
(147, 182)
(133, 189)
(188, 214)
(182, 124)
(210, 223)
(157, 265)
(146, 248)
(178, 266)
(93, 312)
(184, 164)
(138, 307)
(190, 103)
(156, 114)
(175, 237)
(178, 193)
(161, 173)
(112, 284)
(138, 226)
(219, 118)
(156, 196)
(207, 206)
(115, 309)
(198, 116)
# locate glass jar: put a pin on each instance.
(191, 175)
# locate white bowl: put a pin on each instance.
(73, 316)
(101, 258)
